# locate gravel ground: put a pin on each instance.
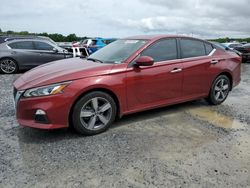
(186, 145)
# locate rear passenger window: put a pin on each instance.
(162, 51)
(192, 48)
(208, 48)
(25, 45)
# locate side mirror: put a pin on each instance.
(144, 61)
(227, 48)
(55, 50)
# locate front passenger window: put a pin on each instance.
(43, 46)
(162, 50)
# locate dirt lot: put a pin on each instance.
(186, 145)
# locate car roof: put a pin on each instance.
(157, 37)
(228, 43)
(28, 39)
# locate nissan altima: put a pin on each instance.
(127, 76)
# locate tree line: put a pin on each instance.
(227, 39)
(54, 36)
(72, 37)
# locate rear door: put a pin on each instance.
(157, 84)
(47, 52)
(197, 59)
(24, 53)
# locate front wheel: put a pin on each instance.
(8, 66)
(94, 113)
(219, 90)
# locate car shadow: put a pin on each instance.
(31, 135)
(150, 114)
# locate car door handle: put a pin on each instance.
(214, 61)
(175, 70)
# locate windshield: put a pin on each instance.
(118, 51)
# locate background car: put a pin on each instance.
(245, 50)
(127, 76)
(94, 44)
(4, 38)
(24, 54)
(224, 47)
(232, 45)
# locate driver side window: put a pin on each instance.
(43, 46)
(162, 50)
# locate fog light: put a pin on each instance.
(41, 117)
(40, 112)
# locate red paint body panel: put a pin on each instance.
(147, 86)
(136, 89)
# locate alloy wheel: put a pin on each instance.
(8, 66)
(221, 89)
(96, 113)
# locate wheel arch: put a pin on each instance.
(102, 89)
(229, 75)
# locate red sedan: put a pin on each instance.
(127, 76)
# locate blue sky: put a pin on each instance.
(114, 18)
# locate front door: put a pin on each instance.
(157, 84)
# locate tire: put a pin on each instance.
(8, 66)
(94, 113)
(219, 90)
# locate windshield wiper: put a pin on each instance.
(95, 60)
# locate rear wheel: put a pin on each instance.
(94, 113)
(8, 66)
(219, 90)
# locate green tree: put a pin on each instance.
(9, 32)
(71, 37)
(23, 33)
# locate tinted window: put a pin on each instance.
(27, 45)
(192, 48)
(43, 46)
(162, 50)
(208, 48)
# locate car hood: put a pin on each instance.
(61, 71)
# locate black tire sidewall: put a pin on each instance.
(78, 106)
(211, 98)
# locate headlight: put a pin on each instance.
(46, 90)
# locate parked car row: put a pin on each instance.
(127, 76)
(94, 44)
(19, 53)
(243, 49)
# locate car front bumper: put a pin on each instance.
(55, 111)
